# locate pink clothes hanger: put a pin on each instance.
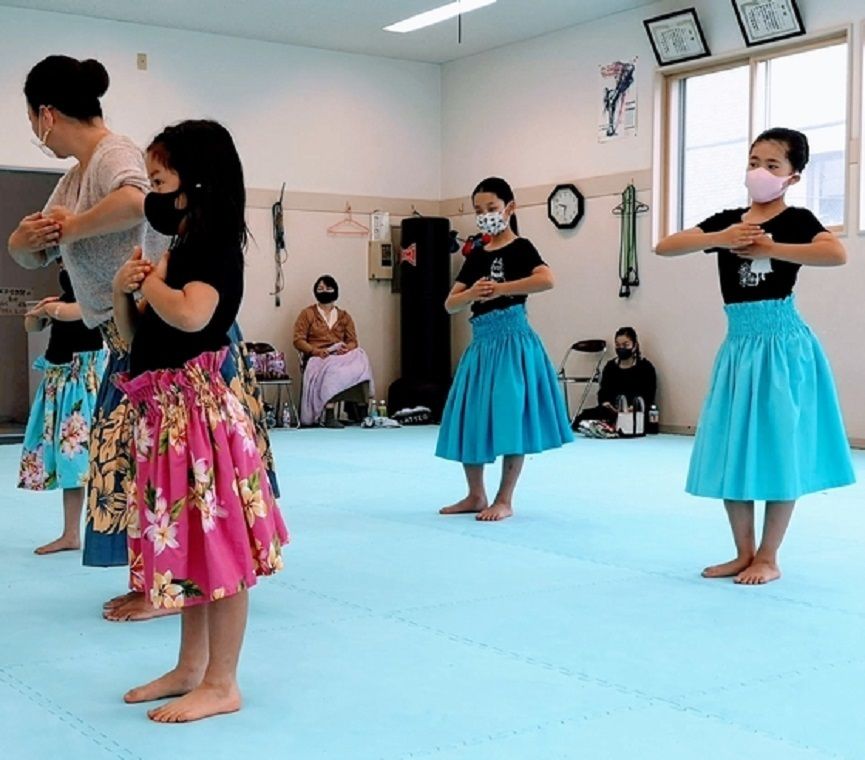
(348, 227)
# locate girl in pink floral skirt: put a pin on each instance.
(203, 523)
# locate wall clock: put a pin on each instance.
(565, 206)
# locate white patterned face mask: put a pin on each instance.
(493, 223)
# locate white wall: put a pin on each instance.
(317, 120)
(320, 121)
(354, 125)
(534, 110)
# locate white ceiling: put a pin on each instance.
(349, 25)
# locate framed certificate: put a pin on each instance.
(677, 37)
(764, 21)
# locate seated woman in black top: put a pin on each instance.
(628, 375)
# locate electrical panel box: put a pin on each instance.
(381, 260)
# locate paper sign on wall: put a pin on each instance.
(13, 301)
(380, 226)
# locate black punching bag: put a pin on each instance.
(425, 280)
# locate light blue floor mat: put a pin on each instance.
(578, 629)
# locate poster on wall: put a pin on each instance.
(618, 100)
(13, 301)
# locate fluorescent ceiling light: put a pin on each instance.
(437, 15)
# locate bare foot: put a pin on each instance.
(496, 512)
(62, 544)
(728, 569)
(175, 683)
(137, 609)
(759, 573)
(464, 506)
(202, 702)
(119, 601)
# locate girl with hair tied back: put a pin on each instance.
(771, 427)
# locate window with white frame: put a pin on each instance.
(714, 115)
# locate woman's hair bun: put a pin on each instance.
(95, 76)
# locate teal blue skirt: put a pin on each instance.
(505, 398)
(771, 426)
(56, 451)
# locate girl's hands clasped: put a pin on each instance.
(39, 311)
(483, 289)
(741, 235)
(130, 276)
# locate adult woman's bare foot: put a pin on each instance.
(175, 683)
(496, 512)
(138, 608)
(62, 544)
(727, 569)
(119, 601)
(759, 573)
(204, 701)
(464, 506)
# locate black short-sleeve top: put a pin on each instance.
(68, 338)
(158, 345)
(515, 261)
(745, 279)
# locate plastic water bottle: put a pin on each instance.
(372, 413)
(654, 420)
(382, 408)
(269, 416)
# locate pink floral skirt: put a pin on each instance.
(202, 520)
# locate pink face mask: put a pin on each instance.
(763, 186)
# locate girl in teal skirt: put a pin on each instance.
(56, 448)
(771, 427)
(505, 398)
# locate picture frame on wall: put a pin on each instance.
(763, 21)
(677, 37)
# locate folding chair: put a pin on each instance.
(254, 350)
(588, 348)
(351, 395)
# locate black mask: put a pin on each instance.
(329, 295)
(624, 353)
(160, 211)
(326, 296)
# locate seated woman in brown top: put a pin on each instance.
(334, 367)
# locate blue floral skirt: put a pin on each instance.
(56, 450)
